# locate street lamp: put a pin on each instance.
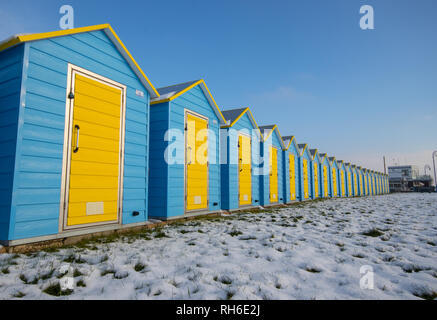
(434, 154)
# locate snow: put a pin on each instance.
(311, 250)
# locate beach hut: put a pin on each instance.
(291, 163)
(349, 181)
(315, 174)
(333, 179)
(324, 175)
(74, 108)
(361, 181)
(271, 167)
(306, 178)
(341, 178)
(354, 183)
(367, 182)
(184, 152)
(240, 140)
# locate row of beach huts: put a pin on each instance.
(89, 145)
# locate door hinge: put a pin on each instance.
(71, 95)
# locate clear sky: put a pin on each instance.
(304, 65)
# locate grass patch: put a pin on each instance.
(139, 267)
(27, 281)
(426, 295)
(81, 283)
(19, 294)
(373, 233)
(235, 232)
(108, 271)
(313, 270)
(77, 273)
(55, 290)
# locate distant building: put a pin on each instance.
(407, 178)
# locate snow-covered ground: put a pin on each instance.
(310, 250)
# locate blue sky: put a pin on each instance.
(303, 65)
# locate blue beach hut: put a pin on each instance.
(271, 167)
(240, 140)
(184, 152)
(291, 162)
(74, 108)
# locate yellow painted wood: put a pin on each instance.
(273, 175)
(325, 181)
(349, 184)
(245, 170)
(94, 169)
(196, 163)
(305, 179)
(292, 175)
(334, 182)
(316, 181)
(343, 190)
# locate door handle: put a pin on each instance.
(189, 148)
(77, 138)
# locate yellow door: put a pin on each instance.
(334, 182)
(196, 162)
(292, 175)
(325, 181)
(349, 184)
(245, 170)
(273, 175)
(94, 176)
(305, 178)
(342, 183)
(361, 184)
(316, 181)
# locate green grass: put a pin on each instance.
(19, 294)
(81, 283)
(373, 233)
(55, 290)
(235, 232)
(139, 267)
(313, 270)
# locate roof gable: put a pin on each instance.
(266, 131)
(304, 150)
(233, 115)
(172, 92)
(110, 33)
(291, 141)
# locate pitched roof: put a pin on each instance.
(288, 140)
(302, 147)
(21, 38)
(170, 93)
(266, 131)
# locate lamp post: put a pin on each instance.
(434, 154)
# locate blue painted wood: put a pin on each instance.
(167, 184)
(295, 152)
(40, 139)
(11, 66)
(230, 173)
